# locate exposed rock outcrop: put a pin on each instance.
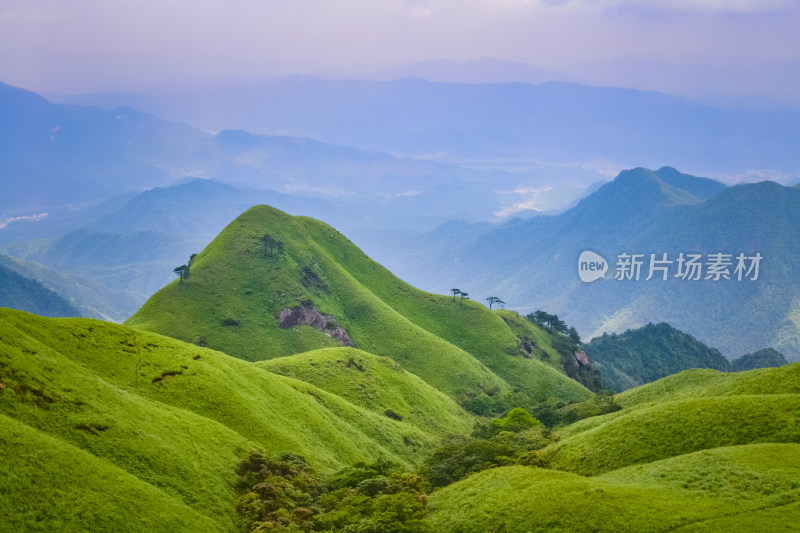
(310, 316)
(583, 360)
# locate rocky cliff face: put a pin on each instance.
(310, 316)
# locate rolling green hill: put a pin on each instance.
(684, 413)
(669, 429)
(702, 450)
(646, 354)
(93, 414)
(256, 303)
(700, 383)
(168, 422)
(739, 488)
(375, 383)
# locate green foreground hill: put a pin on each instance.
(702, 450)
(741, 488)
(273, 285)
(162, 424)
(95, 414)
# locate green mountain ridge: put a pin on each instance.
(459, 347)
(766, 358)
(646, 354)
(739, 488)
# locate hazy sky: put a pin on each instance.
(86, 45)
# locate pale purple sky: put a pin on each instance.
(97, 45)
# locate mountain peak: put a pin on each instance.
(267, 265)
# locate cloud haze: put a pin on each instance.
(86, 45)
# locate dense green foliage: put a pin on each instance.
(460, 348)
(285, 495)
(512, 439)
(766, 358)
(648, 353)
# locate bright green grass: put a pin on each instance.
(48, 485)
(703, 382)
(669, 429)
(179, 417)
(741, 488)
(462, 350)
(771, 519)
(523, 328)
(750, 470)
(376, 383)
(698, 383)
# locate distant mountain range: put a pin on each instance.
(512, 125)
(534, 264)
(61, 158)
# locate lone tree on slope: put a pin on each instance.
(182, 271)
(455, 293)
(463, 295)
(494, 300)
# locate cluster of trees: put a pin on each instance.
(184, 270)
(459, 292)
(465, 295)
(284, 494)
(272, 246)
(553, 323)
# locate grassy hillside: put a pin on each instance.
(177, 417)
(648, 353)
(50, 485)
(375, 383)
(238, 288)
(705, 382)
(674, 428)
(740, 488)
